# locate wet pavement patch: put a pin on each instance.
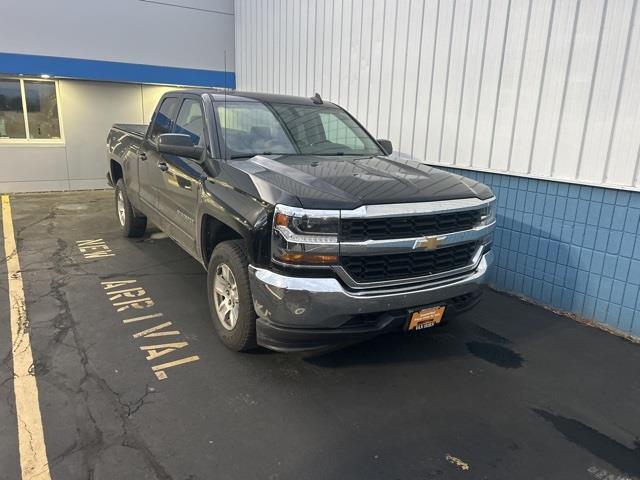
(497, 354)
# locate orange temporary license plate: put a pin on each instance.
(426, 318)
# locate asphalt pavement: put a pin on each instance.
(506, 391)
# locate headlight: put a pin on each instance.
(305, 237)
(488, 215)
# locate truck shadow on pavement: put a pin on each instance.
(613, 452)
(459, 337)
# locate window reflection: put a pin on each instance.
(42, 109)
(11, 113)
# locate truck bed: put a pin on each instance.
(136, 129)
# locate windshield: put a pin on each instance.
(254, 128)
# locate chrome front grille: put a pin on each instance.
(395, 246)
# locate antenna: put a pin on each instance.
(317, 99)
(224, 129)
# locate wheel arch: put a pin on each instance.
(212, 232)
(115, 170)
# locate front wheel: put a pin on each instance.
(132, 225)
(230, 299)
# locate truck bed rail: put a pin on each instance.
(138, 130)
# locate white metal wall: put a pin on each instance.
(542, 88)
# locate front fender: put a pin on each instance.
(247, 216)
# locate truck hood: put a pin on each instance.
(349, 182)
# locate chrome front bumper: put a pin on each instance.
(300, 302)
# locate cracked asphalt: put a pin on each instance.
(506, 391)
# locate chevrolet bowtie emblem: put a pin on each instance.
(429, 243)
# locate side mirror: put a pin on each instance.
(386, 145)
(178, 144)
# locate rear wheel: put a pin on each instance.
(131, 223)
(230, 299)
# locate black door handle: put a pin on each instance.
(163, 166)
(142, 156)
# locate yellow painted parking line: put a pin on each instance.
(144, 317)
(33, 452)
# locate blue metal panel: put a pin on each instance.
(572, 247)
(77, 68)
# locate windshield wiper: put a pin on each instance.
(328, 154)
(249, 155)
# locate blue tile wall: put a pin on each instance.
(572, 247)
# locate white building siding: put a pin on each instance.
(544, 88)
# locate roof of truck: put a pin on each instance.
(233, 95)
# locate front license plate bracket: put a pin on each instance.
(425, 318)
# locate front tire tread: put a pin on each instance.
(243, 336)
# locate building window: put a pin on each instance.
(29, 111)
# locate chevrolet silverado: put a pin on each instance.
(313, 235)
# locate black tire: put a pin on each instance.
(133, 224)
(242, 336)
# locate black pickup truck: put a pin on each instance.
(313, 235)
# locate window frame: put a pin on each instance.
(174, 116)
(198, 100)
(35, 141)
